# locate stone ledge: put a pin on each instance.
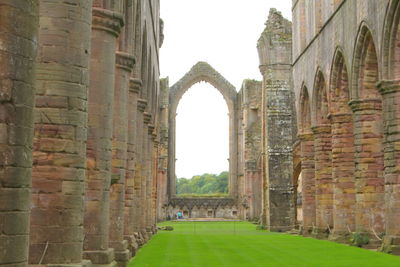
(107, 20)
(135, 85)
(124, 61)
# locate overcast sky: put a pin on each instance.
(223, 33)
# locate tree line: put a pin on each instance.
(203, 184)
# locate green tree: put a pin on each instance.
(203, 184)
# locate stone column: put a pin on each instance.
(19, 26)
(58, 177)
(147, 174)
(390, 91)
(105, 30)
(156, 145)
(151, 161)
(308, 181)
(124, 65)
(368, 166)
(130, 191)
(344, 198)
(323, 179)
(139, 173)
(274, 49)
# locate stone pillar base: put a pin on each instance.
(280, 229)
(101, 258)
(306, 231)
(145, 236)
(122, 257)
(133, 245)
(320, 233)
(343, 237)
(84, 263)
(122, 253)
(139, 239)
(391, 244)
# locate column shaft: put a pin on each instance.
(60, 133)
(323, 179)
(344, 198)
(105, 29)
(391, 114)
(308, 181)
(19, 34)
(132, 154)
(124, 65)
(368, 166)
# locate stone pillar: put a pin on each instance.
(152, 159)
(323, 179)
(59, 157)
(390, 91)
(124, 65)
(274, 48)
(140, 185)
(105, 30)
(154, 196)
(19, 26)
(147, 155)
(344, 198)
(162, 166)
(368, 166)
(131, 200)
(308, 181)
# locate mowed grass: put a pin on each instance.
(230, 244)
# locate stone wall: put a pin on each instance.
(17, 60)
(90, 137)
(274, 48)
(249, 139)
(348, 118)
(222, 208)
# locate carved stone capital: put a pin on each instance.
(141, 105)
(106, 20)
(151, 128)
(146, 117)
(306, 136)
(341, 117)
(135, 85)
(321, 129)
(389, 87)
(365, 104)
(263, 69)
(124, 61)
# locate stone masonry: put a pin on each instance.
(345, 72)
(73, 76)
(274, 48)
(87, 129)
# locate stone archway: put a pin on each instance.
(202, 71)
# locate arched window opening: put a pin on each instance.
(202, 142)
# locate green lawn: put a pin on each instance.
(229, 244)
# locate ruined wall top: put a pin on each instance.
(276, 36)
(202, 71)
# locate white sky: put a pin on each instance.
(223, 33)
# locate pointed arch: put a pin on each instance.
(342, 137)
(366, 104)
(305, 111)
(202, 71)
(307, 162)
(391, 42)
(320, 100)
(339, 94)
(365, 72)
